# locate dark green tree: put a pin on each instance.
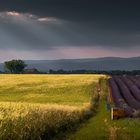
(15, 66)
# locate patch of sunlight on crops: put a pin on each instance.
(14, 109)
(60, 89)
(22, 121)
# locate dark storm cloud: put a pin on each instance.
(77, 9)
(28, 34)
(105, 23)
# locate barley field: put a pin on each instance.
(38, 107)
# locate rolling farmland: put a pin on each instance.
(66, 107)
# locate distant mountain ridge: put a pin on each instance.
(105, 63)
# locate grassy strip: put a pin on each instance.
(93, 128)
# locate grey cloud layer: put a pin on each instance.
(27, 32)
(80, 23)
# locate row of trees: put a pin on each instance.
(18, 66)
(111, 72)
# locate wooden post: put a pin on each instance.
(117, 113)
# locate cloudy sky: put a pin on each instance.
(57, 29)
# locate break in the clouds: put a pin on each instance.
(52, 29)
(9, 15)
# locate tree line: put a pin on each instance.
(111, 72)
(18, 67)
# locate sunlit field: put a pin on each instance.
(59, 89)
(41, 106)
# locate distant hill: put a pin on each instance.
(106, 63)
(1, 67)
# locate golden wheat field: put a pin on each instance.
(41, 106)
